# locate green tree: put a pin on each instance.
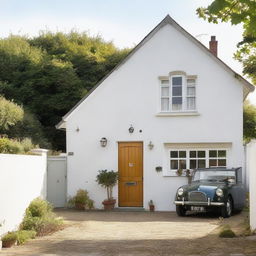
(10, 114)
(235, 11)
(249, 121)
(239, 12)
(50, 73)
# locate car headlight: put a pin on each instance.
(180, 191)
(219, 192)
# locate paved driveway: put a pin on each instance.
(135, 233)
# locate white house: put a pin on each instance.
(170, 104)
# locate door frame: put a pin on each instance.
(142, 143)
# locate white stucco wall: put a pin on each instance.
(251, 167)
(130, 95)
(22, 178)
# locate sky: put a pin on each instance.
(125, 22)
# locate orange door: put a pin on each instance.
(130, 168)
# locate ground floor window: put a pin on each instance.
(201, 158)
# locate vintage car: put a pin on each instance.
(212, 189)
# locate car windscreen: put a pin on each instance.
(215, 176)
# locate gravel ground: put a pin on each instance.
(138, 233)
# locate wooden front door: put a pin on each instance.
(130, 168)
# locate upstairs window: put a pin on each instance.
(178, 93)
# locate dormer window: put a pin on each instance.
(178, 92)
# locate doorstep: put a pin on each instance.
(129, 209)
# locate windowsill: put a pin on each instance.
(181, 113)
(172, 173)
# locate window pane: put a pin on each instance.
(165, 91)
(174, 154)
(222, 162)
(201, 164)
(164, 104)
(222, 153)
(191, 81)
(192, 154)
(182, 164)
(176, 107)
(213, 153)
(177, 80)
(177, 91)
(191, 103)
(164, 81)
(191, 91)
(192, 164)
(174, 164)
(176, 100)
(212, 163)
(182, 154)
(201, 154)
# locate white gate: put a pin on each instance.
(57, 180)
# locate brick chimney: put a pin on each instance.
(213, 46)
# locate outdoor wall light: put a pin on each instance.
(103, 142)
(150, 145)
(131, 129)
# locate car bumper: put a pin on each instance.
(208, 203)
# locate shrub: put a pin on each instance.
(227, 232)
(9, 239)
(24, 235)
(10, 236)
(40, 218)
(81, 200)
(11, 146)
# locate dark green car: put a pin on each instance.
(212, 189)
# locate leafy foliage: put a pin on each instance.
(50, 73)
(11, 146)
(81, 199)
(40, 218)
(10, 113)
(24, 235)
(235, 11)
(107, 179)
(249, 121)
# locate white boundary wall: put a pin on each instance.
(22, 178)
(251, 170)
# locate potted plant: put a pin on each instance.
(108, 179)
(179, 172)
(9, 239)
(151, 205)
(81, 200)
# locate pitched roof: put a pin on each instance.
(167, 20)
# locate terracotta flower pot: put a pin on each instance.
(152, 208)
(79, 206)
(109, 204)
(8, 243)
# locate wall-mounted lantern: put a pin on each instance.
(103, 142)
(150, 145)
(131, 129)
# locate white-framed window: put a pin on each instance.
(217, 158)
(197, 158)
(178, 93)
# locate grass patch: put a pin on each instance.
(24, 235)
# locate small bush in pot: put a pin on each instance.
(108, 179)
(81, 200)
(9, 239)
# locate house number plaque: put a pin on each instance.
(130, 164)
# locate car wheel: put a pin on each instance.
(180, 210)
(227, 209)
